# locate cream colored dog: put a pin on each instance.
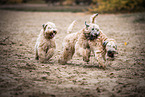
(45, 44)
(111, 47)
(78, 42)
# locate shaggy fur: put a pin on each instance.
(69, 47)
(45, 44)
(73, 39)
(85, 46)
(89, 39)
(111, 47)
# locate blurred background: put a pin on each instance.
(92, 6)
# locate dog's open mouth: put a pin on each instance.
(52, 35)
(92, 35)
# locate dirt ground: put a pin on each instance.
(23, 76)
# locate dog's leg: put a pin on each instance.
(104, 55)
(83, 49)
(67, 54)
(41, 54)
(36, 52)
(100, 59)
(86, 55)
(49, 53)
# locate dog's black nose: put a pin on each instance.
(54, 31)
(110, 54)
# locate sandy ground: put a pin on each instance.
(23, 76)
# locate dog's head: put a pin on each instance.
(91, 31)
(111, 47)
(49, 30)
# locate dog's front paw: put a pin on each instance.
(86, 59)
(42, 60)
(61, 62)
(102, 65)
(36, 57)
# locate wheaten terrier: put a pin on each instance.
(87, 40)
(45, 44)
(70, 41)
(110, 47)
(69, 45)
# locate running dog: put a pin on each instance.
(45, 44)
(111, 47)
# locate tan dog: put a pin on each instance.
(73, 43)
(45, 44)
(111, 47)
(92, 39)
(69, 47)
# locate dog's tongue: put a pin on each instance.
(52, 35)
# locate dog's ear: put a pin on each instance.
(115, 47)
(105, 43)
(44, 27)
(87, 25)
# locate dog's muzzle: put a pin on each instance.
(50, 34)
(92, 35)
(110, 53)
(53, 33)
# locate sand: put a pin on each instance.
(23, 76)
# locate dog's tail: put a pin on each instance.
(71, 26)
(92, 18)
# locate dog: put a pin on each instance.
(69, 47)
(73, 39)
(91, 40)
(87, 40)
(45, 45)
(111, 47)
